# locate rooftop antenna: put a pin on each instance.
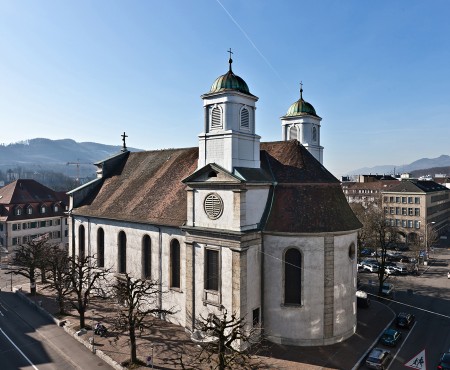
(301, 90)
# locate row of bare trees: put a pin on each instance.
(378, 231)
(76, 279)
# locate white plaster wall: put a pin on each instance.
(344, 285)
(225, 221)
(174, 298)
(256, 200)
(298, 323)
(304, 325)
(253, 282)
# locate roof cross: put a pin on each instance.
(124, 148)
(230, 60)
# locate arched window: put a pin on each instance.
(245, 118)
(122, 253)
(216, 118)
(293, 133)
(314, 134)
(30, 210)
(100, 248)
(175, 264)
(81, 242)
(292, 276)
(146, 257)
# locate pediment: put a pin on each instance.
(212, 173)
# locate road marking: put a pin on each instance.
(400, 348)
(418, 361)
(23, 354)
(3, 307)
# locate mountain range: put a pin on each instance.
(67, 155)
(434, 165)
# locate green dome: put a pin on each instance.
(301, 107)
(229, 81)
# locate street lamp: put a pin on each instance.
(426, 238)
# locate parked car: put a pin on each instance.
(390, 270)
(362, 299)
(378, 359)
(401, 269)
(391, 337)
(387, 289)
(405, 320)
(444, 362)
(371, 267)
(367, 252)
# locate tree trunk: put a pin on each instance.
(133, 354)
(32, 287)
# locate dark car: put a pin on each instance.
(444, 363)
(378, 359)
(391, 337)
(405, 320)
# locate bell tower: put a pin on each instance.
(229, 139)
(303, 124)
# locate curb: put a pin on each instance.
(70, 331)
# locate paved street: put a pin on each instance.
(30, 340)
(428, 297)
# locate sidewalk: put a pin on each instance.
(167, 342)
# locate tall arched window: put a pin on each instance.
(175, 264)
(293, 133)
(292, 276)
(314, 134)
(216, 118)
(81, 242)
(146, 257)
(122, 253)
(100, 248)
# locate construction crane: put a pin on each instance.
(78, 164)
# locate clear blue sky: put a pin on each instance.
(377, 72)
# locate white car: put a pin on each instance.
(371, 267)
(390, 270)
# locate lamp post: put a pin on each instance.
(426, 238)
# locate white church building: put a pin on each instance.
(260, 229)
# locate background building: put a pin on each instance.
(416, 205)
(29, 210)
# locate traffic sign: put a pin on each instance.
(418, 362)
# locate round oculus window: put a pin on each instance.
(213, 206)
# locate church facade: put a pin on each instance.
(262, 230)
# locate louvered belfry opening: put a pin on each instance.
(216, 118)
(213, 206)
(245, 118)
(212, 270)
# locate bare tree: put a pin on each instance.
(137, 300)
(364, 233)
(384, 234)
(58, 274)
(84, 280)
(28, 260)
(228, 344)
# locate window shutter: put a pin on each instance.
(216, 119)
(245, 120)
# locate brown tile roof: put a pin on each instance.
(30, 193)
(149, 189)
(307, 198)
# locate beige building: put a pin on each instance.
(29, 210)
(368, 189)
(414, 206)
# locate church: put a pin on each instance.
(262, 230)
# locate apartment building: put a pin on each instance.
(415, 205)
(367, 189)
(30, 210)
